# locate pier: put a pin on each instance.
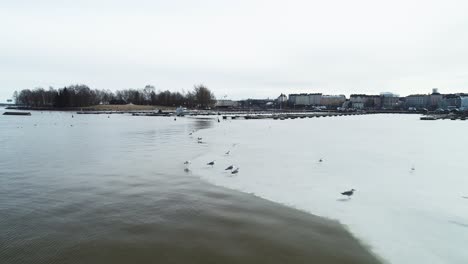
(445, 117)
(284, 116)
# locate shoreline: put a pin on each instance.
(354, 247)
(333, 241)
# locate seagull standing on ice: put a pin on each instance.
(229, 168)
(187, 162)
(211, 163)
(227, 153)
(235, 171)
(348, 193)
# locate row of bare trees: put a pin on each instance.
(82, 95)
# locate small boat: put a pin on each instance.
(18, 113)
(181, 111)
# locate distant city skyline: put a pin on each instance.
(241, 49)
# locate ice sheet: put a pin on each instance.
(403, 215)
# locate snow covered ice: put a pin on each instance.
(410, 177)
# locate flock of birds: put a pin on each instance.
(229, 168)
(234, 170)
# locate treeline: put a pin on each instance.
(82, 96)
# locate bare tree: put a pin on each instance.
(81, 95)
(204, 98)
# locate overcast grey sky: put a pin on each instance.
(241, 49)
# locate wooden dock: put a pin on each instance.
(444, 117)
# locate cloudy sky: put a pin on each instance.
(241, 49)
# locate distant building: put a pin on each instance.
(226, 103)
(304, 99)
(390, 100)
(434, 99)
(332, 101)
(450, 101)
(430, 101)
(292, 99)
(464, 102)
(373, 102)
(357, 101)
(417, 100)
(454, 101)
(364, 101)
(315, 99)
(282, 99)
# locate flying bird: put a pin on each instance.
(348, 193)
(229, 168)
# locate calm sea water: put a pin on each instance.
(93, 189)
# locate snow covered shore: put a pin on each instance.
(404, 215)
